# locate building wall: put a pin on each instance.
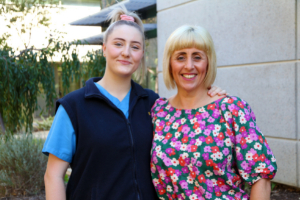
(257, 46)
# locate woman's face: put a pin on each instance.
(123, 50)
(188, 67)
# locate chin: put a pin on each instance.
(190, 88)
(126, 74)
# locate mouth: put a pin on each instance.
(189, 76)
(124, 62)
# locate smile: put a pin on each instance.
(124, 62)
(189, 76)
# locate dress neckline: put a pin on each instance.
(213, 102)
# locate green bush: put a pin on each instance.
(22, 165)
(45, 124)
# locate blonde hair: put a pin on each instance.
(115, 17)
(188, 37)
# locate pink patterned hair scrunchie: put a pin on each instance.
(127, 18)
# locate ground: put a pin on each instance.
(283, 192)
(280, 192)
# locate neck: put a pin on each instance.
(116, 86)
(190, 99)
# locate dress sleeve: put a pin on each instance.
(61, 139)
(253, 155)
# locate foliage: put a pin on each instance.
(45, 124)
(27, 73)
(273, 186)
(94, 65)
(22, 166)
(66, 179)
(247, 188)
(21, 76)
(24, 15)
(108, 3)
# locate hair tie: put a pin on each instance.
(127, 18)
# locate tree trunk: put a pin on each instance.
(2, 128)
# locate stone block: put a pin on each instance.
(243, 31)
(298, 163)
(165, 4)
(270, 91)
(285, 154)
(298, 101)
(162, 90)
(298, 29)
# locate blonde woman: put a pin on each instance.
(205, 147)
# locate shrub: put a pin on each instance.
(22, 165)
(45, 124)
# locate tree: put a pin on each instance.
(26, 73)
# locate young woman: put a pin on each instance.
(104, 130)
(205, 147)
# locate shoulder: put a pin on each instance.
(233, 102)
(233, 107)
(75, 93)
(71, 98)
(157, 107)
(160, 102)
(152, 94)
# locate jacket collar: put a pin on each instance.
(92, 90)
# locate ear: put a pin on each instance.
(104, 49)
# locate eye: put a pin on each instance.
(197, 58)
(118, 44)
(180, 58)
(135, 47)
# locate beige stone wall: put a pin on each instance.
(257, 44)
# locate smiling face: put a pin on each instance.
(123, 51)
(188, 67)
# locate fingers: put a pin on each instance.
(222, 93)
(216, 91)
(211, 92)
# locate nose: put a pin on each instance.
(126, 51)
(189, 64)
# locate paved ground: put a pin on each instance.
(280, 192)
(283, 192)
(40, 134)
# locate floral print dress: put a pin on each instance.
(208, 152)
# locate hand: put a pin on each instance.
(215, 90)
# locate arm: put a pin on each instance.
(54, 178)
(255, 160)
(261, 190)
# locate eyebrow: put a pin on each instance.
(194, 53)
(131, 41)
